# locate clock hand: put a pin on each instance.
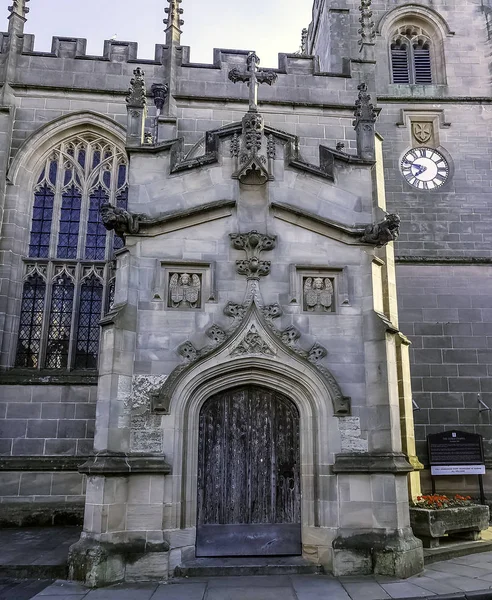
(421, 169)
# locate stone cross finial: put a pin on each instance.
(367, 30)
(173, 21)
(19, 7)
(253, 77)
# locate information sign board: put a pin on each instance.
(456, 453)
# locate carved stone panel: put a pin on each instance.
(184, 285)
(423, 133)
(318, 294)
(184, 290)
(319, 289)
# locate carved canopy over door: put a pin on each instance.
(249, 500)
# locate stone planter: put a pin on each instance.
(463, 522)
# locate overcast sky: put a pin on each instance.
(267, 26)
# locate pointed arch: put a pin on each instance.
(57, 182)
(388, 20)
(254, 355)
(46, 137)
(415, 39)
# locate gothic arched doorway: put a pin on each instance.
(249, 497)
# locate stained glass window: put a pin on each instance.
(31, 322)
(95, 245)
(91, 298)
(61, 309)
(60, 323)
(69, 223)
(42, 216)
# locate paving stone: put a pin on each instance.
(67, 588)
(404, 590)
(365, 590)
(435, 586)
(62, 597)
(180, 591)
(457, 569)
(250, 593)
(137, 591)
(467, 584)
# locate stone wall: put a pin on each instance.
(46, 432)
(41, 420)
(447, 313)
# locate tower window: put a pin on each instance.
(411, 56)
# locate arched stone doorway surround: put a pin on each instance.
(301, 382)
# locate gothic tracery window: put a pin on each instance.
(68, 272)
(411, 56)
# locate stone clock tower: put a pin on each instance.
(431, 77)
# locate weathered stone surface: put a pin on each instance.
(428, 524)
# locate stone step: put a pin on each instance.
(447, 551)
(246, 566)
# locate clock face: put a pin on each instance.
(425, 168)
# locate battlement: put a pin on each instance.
(120, 51)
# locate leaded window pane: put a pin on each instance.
(31, 323)
(69, 223)
(60, 321)
(39, 245)
(79, 175)
(91, 297)
(95, 244)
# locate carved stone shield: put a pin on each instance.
(422, 132)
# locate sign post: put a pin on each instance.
(456, 453)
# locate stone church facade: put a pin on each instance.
(200, 343)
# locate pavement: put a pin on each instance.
(467, 577)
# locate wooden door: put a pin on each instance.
(249, 500)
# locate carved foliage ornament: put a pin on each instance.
(253, 243)
(367, 30)
(364, 109)
(174, 13)
(252, 343)
(137, 93)
(19, 7)
(384, 232)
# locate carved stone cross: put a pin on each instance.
(253, 77)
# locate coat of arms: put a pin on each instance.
(422, 132)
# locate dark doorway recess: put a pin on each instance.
(249, 491)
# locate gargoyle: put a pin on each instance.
(119, 220)
(384, 232)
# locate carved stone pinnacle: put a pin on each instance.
(137, 93)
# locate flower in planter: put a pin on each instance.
(437, 501)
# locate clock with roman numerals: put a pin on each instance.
(425, 168)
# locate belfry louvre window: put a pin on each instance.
(411, 56)
(68, 271)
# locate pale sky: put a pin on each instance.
(267, 26)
